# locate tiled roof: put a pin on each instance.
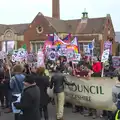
(18, 28)
(93, 25)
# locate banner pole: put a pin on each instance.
(102, 73)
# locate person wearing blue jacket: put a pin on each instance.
(16, 83)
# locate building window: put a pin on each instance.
(82, 44)
(8, 46)
(37, 45)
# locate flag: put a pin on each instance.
(51, 37)
(75, 48)
(47, 43)
(57, 41)
(67, 38)
(24, 46)
(74, 45)
(74, 41)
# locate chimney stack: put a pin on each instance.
(56, 9)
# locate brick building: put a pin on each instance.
(34, 34)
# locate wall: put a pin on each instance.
(32, 35)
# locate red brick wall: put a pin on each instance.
(109, 27)
(31, 34)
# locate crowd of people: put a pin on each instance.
(33, 82)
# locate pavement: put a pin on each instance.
(68, 115)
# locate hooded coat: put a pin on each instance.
(115, 92)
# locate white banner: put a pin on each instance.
(94, 93)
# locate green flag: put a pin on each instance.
(24, 46)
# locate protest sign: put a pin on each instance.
(19, 55)
(94, 93)
(70, 55)
(105, 56)
(116, 61)
(86, 49)
(52, 55)
(40, 59)
(31, 58)
(108, 45)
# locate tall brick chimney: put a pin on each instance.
(56, 9)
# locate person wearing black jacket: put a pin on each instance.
(57, 81)
(1, 86)
(30, 100)
(42, 82)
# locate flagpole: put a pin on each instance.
(92, 50)
(92, 55)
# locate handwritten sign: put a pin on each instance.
(105, 56)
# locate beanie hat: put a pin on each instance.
(29, 79)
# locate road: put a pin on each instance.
(68, 115)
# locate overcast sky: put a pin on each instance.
(24, 11)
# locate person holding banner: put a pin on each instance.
(57, 82)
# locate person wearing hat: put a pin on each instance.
(30, 100)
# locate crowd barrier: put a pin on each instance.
(94, 93)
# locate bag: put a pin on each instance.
(50, 92)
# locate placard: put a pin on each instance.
(94, 93)
(105, 55)
(116, 61)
